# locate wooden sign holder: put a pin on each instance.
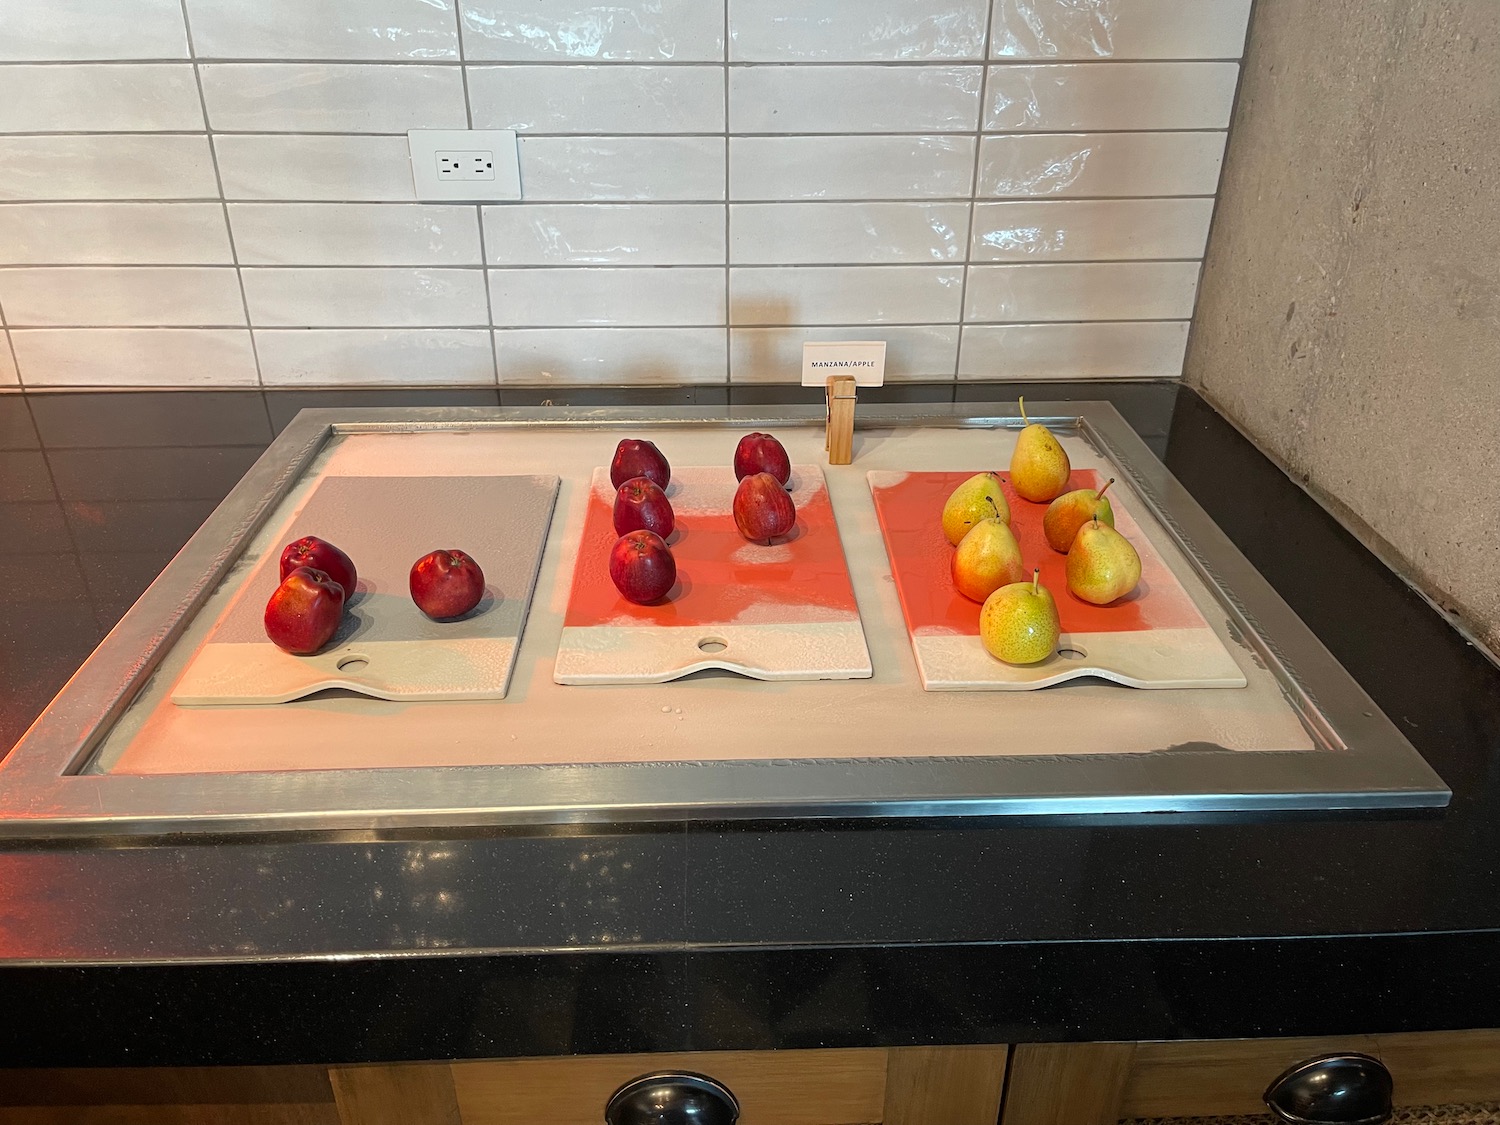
(839, 440)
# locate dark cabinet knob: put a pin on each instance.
(672, 1099)
(1347, 1089)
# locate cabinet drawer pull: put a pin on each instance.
(672, 1098)
(1348, 1089)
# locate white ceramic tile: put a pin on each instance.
(259, 166)
(98, 98)
(854, 99)
(1139, 350)
(1100, 164)
(610, 356)
(1071, 230)
(355, 234)
(113, 233)
(1081, 291)
(121, 296)
(8, 376)
(913, 353)
(63, 30)
(375, 356)
(845, 295)
(553, 30)
(838, 31)
(333, 97)
(598, 99)
(134, 357)
(556, 298)
(850, 167)
(1131, 95)
(589, 168)
(651, 234)
(365, 298)
(325, 29)
(1119, 29)
(107, 166)
(768, 234)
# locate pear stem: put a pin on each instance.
(993, 506)
(1100, 494)
(1036, 577)
(1022, 403)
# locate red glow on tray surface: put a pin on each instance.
(910, 514)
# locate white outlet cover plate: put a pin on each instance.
(425, 144)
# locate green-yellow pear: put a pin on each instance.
(1102, 565)
(987, 558)
(980, 497)
(1072, 510)
(1018, 623)
(1039, 467)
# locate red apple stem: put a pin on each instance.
(1100, 495)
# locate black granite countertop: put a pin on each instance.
(718, 936)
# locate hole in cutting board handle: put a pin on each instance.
(1071, 653)
(712, 644)
(353, 664)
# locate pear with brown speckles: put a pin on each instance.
(1039, 466)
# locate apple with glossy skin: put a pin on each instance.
(642, 567)
(304, 612)
(762, 508)
(319, 554)
(761, 453)
(640, 503)
(446, 584)
(636, 457)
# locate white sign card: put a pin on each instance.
(864, 359)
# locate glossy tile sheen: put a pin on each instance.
(610, 356)
(655, 234)
(355, 234)
(846, 233)
(120, 357)
(61, 30)
(1125, 350)
(154, 233)
(1167, 95)
(835, 31)
(768, 168)
(98, 98)
(1100, 164)
(332, 97)
(314, 168)
(598, 99)
(854, 99)
(912, 353)
(328, 29)
(1090, 229)
(120, 296)
(551, 298)
(337, 298)
(844, 295)
(547, 31)
(1119, 29)
(1081, 291)
(622, 168)
(106, 166)
(374, 357)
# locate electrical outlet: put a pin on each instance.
(465, 164)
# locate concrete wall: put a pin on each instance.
(1349, 317)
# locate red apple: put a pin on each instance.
(641, 503)
(761, 453)
(642, 567)
(762, 508)
(304, 612)
(320, 555)
(635, 457)
(446, 584)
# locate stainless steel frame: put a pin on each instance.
(44, 789)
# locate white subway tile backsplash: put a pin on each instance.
(327, 29)
(768, 234)
(8, 376)
(366, 298)
(114, 233)
(1166, 95)
(1119, 29)
(332, 97)
(845, 295)
(98, 98)
(913, 353)
(770, 168)
(121, 296)
(260, 166)
(623, 168)
(854, 99)
(1100, 164)
(611, 356)
(1130, 350)
(356, 234)
(134, 357)
(1071, 230)
(375, 357)
(556, 30)
(598, 99)
(106, 166)
(1081, 291)
(552, 298)
(837, 31)
(64, 30)
(651, 234)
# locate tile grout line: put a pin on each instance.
(728, 253)
(477, 327)
(982, 59)
(604, 201)
(484, 253)
(963, 288)
(934, 132)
